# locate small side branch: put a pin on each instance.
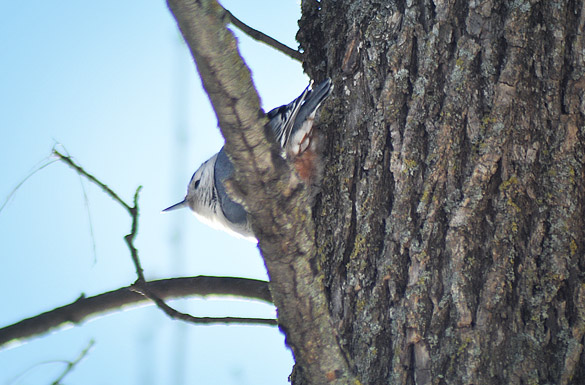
(69, 161)
(84, 309)
(132, 210)
(141, 286)
(130, 238)
(72, 364)
(262, 37)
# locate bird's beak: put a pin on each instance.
(179, 205)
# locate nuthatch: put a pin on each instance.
(292, 125)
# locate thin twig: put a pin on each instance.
(175, 314)
(141, 286)
(132, 210)
(85, 199)
(71, 364)
(93, 179)
(19, 185)
(86, 308)
(89, 218)
(259, 36)
(130, 238)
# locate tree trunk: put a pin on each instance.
(450, 226)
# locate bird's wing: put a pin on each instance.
(286, 120)
(281, 119)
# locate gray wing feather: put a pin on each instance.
(224, 169)
(282, 118)
(286, 120)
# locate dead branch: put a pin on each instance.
(84, 309)
(140, 284)
(72, 364)
(262, 37)
(71, 163)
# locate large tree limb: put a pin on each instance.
(274, 197)
(84, 308)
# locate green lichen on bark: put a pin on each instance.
(455, 161)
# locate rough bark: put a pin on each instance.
(274, 197)
(451, 223)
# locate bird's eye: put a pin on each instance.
(197, 183)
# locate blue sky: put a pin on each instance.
(112, 82)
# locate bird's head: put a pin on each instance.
(201, 193)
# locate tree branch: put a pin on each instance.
(72, 364)
(276, 200)
(140, 284)
(132, 210)
(84, 309)
(129, 238)
(69, 161)
(259, 36)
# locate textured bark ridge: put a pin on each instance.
(451, 223)
(276, 200)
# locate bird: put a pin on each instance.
(292, 126)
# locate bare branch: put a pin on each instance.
(259, 36)
(175, 314)
(71, 365)
(19, 185)
(140, 286)
(69, 161)
(132, 210)
(84, 309)
(130, 237)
